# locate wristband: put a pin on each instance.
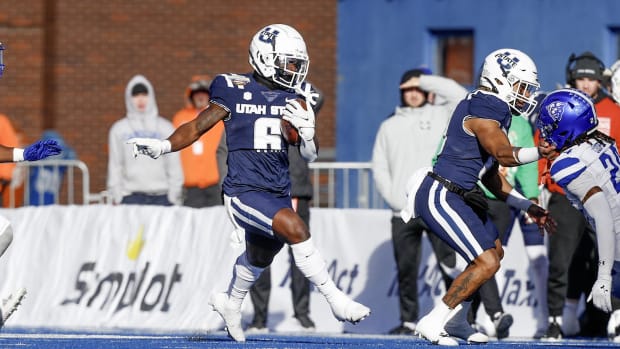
(525, 155)
(166, 146)
(307, 133)
(516, 200)
(18, 154)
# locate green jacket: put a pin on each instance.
(524, 177)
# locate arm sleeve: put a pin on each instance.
(307, 149)
(598, 208)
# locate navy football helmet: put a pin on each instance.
(565, 115)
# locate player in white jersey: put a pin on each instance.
(586, 165)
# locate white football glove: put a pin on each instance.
(601, 293)
(312, 97)
(301, 119)
(150, 146)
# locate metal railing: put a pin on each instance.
(335, 185)
(51, 182)
(344, 185)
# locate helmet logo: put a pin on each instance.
(268, 35)
(556, 110)
(506, 62)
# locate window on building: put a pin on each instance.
(454, 55)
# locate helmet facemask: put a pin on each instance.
(290, 70)
(521, 98)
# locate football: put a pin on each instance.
(290, 133)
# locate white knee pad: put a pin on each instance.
(244, 274)
(6, 234)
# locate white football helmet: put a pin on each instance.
(278, 52)
(512, 75)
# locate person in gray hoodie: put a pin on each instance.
(142, 180)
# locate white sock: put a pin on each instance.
(540, 269)
(459, 314)
(310, 262)
(439, 314)
(244, 276)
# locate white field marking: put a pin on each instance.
(82, 336)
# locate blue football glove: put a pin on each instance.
(41, 149)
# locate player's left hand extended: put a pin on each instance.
(302, 119)
(149, 146)
(542, 218)
(42, 149)
(601, 293)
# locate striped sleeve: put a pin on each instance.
(564, 170)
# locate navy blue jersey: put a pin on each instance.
(257, 153)
(462, 160)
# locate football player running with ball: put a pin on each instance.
(448, 199)
(257, 186)
(586, 165)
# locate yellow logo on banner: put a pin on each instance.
(135, 246)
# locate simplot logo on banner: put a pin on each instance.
(118, 289)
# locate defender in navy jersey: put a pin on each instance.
(257, 186)
(448, 199)
(586, 166)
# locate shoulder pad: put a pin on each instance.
(488, 106)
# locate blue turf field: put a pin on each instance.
(37, 338)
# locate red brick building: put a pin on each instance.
(68, 61)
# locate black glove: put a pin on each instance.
(542, 218)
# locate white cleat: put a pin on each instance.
(11, 303)
(434, 333)
(346, 309)
(232, 317)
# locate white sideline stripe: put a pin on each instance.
(81, 336)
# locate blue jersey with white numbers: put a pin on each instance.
(462, 160)
(257, 153)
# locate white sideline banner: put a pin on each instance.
(152, 267)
